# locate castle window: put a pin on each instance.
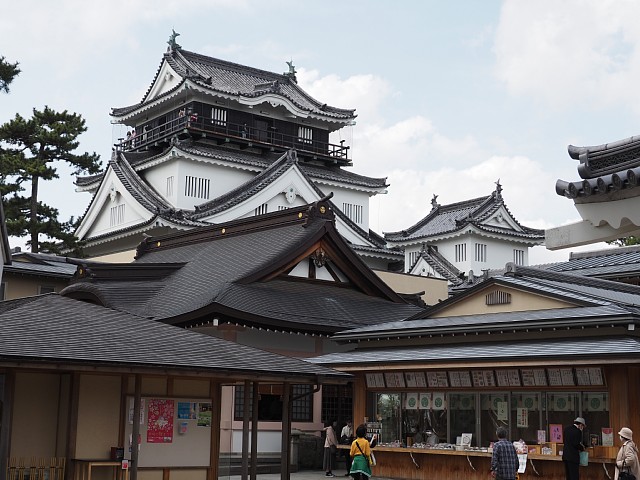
(461, 252)
(282, 207)
(117, 215)
(261, 210)
(219, 116)
(481, 252)
(498, 298)
(518, 257)
(196, 187)
(353, 211)
(170, 186)
(305, 135)
(413, 256)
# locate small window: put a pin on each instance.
(461, 252)
(196, 187)
(305, 135)
(117, 215)
(219, 116)
(353, 211)
(481, 252)
(261, 210)
(3, 291)
(46, 289)
(518, 257)
(170, 186)
(413, 256)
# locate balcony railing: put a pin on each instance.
(238, 133)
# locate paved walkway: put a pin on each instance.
(304, 475)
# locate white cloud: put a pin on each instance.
(571, 52)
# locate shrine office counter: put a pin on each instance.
(420, 463)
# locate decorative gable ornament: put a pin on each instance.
(290, 193)
(113, 192)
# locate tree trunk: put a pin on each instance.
(33, 221)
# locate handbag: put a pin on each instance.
(622, 475)
(584, 459)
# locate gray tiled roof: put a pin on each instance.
(548, 318)
(217, 266)
(603, 169)
(610, 262)
(52, 328)
(601, 348)
(443, 219)
(43, 265)
(233, 79)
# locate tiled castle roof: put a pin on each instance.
(228, 78)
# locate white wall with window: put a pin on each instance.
(221, 179)
(481, 252)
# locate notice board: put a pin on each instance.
(174, 432)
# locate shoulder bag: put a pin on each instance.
(372, 457)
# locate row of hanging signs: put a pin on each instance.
(514, 377)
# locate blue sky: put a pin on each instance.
(450, 95)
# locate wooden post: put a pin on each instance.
(73, 424)
(136, 427)
(254, 432)
(7, 385)
(285, 447)
(245, 430)
(216, 418)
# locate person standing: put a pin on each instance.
(360, 453)
(330, 448)
(346, 437)
(572, 447)
(627, 459)
(504, 460)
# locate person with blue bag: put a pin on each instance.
(573, 445)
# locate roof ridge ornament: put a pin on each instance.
(292, 71)
(173, 45)
(498, 190)
(434, 203)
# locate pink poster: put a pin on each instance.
(555, 433)
(160, 422)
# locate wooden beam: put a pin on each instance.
(136, 427)
(285, 446)
(254, 431)
(215, 393)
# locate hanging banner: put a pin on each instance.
(502, 410)
(522, 417)
(411, 401)
(438, 401)
(425, 401)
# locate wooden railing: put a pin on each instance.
(242, 133)
(36, 468)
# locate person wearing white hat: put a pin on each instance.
(572, 447)
(627, 459)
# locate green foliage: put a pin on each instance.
(624, 242)
(31, 149)
(8, 71)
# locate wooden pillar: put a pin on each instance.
(618, 382)
(285, 447)
(215, 392)
(6, 404)
(359, 400)
(74, 402)
(135, 433)
(246, 413)
(254, 431)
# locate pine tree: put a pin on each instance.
(8, 71)
(32, 147)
